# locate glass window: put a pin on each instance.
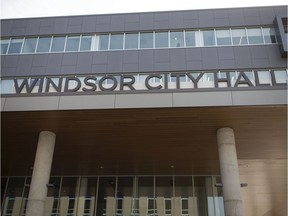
(72, 43)
(161, 39)
(269, 35)
(131, 41)
(29, 45)
(15, 45)
(102, 42)
(58, 44)
(209, 38)
(4, 46)
(86, 42)
(264, 77)
(146, 40)
(43, 44)
(280, 76)
(116, 41)
(255, 36)
(239, 36)
(7, 86)
(190, 38)
(223, 37)
(177, 39)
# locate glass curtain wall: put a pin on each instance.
(119, 196)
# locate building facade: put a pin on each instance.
(158, 113)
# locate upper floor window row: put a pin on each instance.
(139, 40)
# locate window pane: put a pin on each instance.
(15, 45)
(161, 39)
(190, 38)
(209, 38)
(239, 36)
(255, 36)
(4, 46)
(58, 44)
(29, 45)
(72, 43)
(280, 76)
(223, 37)
(146, 40)
(177, 39)
(102, 41)
(43, 45)
(131, 41)
(269, 35)
(116, 41)
(86, 42)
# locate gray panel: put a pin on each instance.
(46, 30)
(18, 31)
(8, 71)
(103, 27)
(103, 19)
(132, 22)
(86, 102)
(260, 63)
(210, 58)
(243, 57)
(236, 17)
(143, 100)
(99, 68)
(40, 60)
(190, 24)
(161, 16)
(225, 53)
(259, 52)
(162, 55)
(267, 97)
(221, 22)
(33, 26)
(146, 21)
(206, 18)
(24, 65)
(130, 67)
(84, 63)
(69, 59)
(31, 103)
(220, 14)
(176, 20)
(267, 15)
(89, 24)
(74, 29)
(60, 26)
(131, 56)
(132, 26)
(178, 59)
(117, 23)
(194, 65)
(54, 63)
(194, 54)
(100, 58)
(281, 10)
(275, 57)
(115, 61)
(202, 99)
(252, 16)
(75, 21)
(68, 69)
(6, 27)
(191, 19)
(146, 60)
(19, 23)
(161, 24)
(47, 22)
(37, 71)
(161, 66)
(10, 61)
(227, 64)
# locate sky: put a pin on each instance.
(45, 8)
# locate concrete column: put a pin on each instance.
(229, 172)
(41, 174)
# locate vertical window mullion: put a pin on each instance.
(36, 46)
(247, 38)
(263, 38)
(215, 37)
(22, 45)
(109, 41)
(8, 47)
(230, 31)
(153, 40)
(138, 40)
(184, 35)
(65, 43)
(80, 42)
(124, 35)
(52, 38)
(169, 35)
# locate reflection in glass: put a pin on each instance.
(15, 45)
(255, 36)
(177, 39)
(29, 45)
(3, 182)
(72, 43)
(209, 38)
(52, 200)
(43, 44)
(264, 77)
(131, 41)
(161, 39)
(223, 37)
(190, 38)
(86, 42)
(146, 40)
(102, 42)
(239, 36)
(68, 195)
(106, 195)
(280, 76)
(58, 44)
(116, 41)
(269, 35)
(4, 46)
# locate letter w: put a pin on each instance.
(25, 83)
